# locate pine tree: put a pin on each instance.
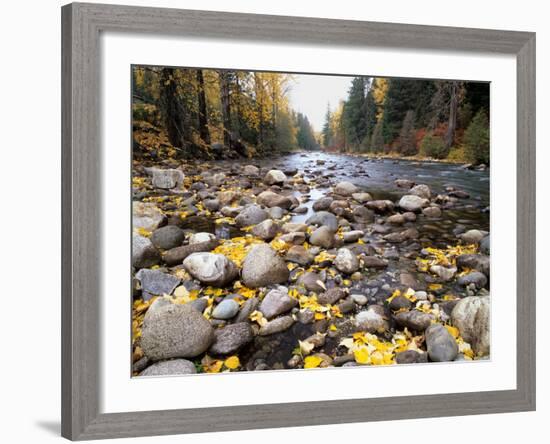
(407, 136)
(377, 142)
(476, 138)
(327, 129)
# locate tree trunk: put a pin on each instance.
(226, 108)
(172, 111)
(203, 116)
(453, 111)
(260, 104)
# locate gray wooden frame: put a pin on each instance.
(81, 232)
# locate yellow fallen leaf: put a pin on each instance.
(232, 362)
(312, 361)
(361, 355)
(453, 331)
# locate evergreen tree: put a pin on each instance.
(377, 141)
(354, 116)
(327, 129)
(476, 138)
(407, 136)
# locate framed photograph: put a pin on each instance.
(278, 221)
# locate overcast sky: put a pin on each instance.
(309, 94)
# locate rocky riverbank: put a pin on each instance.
(299, 263)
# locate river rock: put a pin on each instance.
(411, 357)
(380, 206)
(277, 302)
(275, 177)
(312, 282)
(322, 204)
(175, 256)
(292, 227)
(353, 236)
(410, 202)
(374, 262)
(271, 199)
(396, 219)
(345, 188)
(371, 320)
(295, 238)
(471, 316)
(346, 261)
(399, 303)
(247, 309)
(263, 266)
(227, 197)
(167, 179)
(414, 319)
(475, 277)
(323, 218)
(155, 282)
(276, 212)
(167, 237)
(359, 299)
(432, 212)
(473, 236)
(199, 238)
(276, 325)
(477, 262)
(146, 215)
(144, 253)
(251, 215)
(322, 237)
(363, 215)
(404, 183)
(226, 309)
(331, 296)
(266, 230)
(362, 197)
(421, 190)
(251, 170)
(171, 367)
(211, 269)
(444, 273)
(485, 245)
(402, 236)
(231, 338)
(175, 331)
(299, 255)
(441, 345)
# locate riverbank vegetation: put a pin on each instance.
(412, 118)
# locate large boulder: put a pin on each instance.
(411, 202)
(421, 190)
(144, 253)
(345, 189)
(211, 269)
(346, 261)
(171, 367)
(270, 199)
(146, 215)
(471, 316)
(167, 179)
(231, 338)
(275, 177)
(251, 215)
(168, 237)
(262, 266)
(322, 237)
(323, 218)
(441, 345)
(277, 302)
(175, 331)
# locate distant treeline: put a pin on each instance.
(204, 113)
(430, 118)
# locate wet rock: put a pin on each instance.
(432, 212)
(295, 238)
(276, 212)
(331, 296)
(175, 331)
(396, 219)
(167, 237)
(176, 255)
(421, 190)
(251, 215)
(346, 261)
(155, 282)
(299, 255)
(471, 316)
(199, 304)
(485, 245)
(171, 367)
(312, 282)
(199, 238)
(444, 273)
(231, 338)
(459, 194)
(146, 215)
(262, 266)
(473, 236)
(475, 277)
(322, 237)
(411, 357)
(409, 216)
(371, 320)
(362, 197)
(276, 326)
(266, 230)
(291, 227)
(409, 281)
(277, 302)
(322, 204)
(247, 309)
(226, 309)
(440, 343)
(380, 206)
(404, 183)
(323, 218)
(144, 253)
(275, 177)
(413, 203)
(363, 215)
(345, 189)
(400, 302)
(374, 262)
(251, 170)
(402, 236)
(477, 262)
(414, 320)
(211, 269)
(271, 199)
(167, 179)
(353, 236)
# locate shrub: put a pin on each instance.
(433, 146)
(476, 139)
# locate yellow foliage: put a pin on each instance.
(232, 362)
(312, 361)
